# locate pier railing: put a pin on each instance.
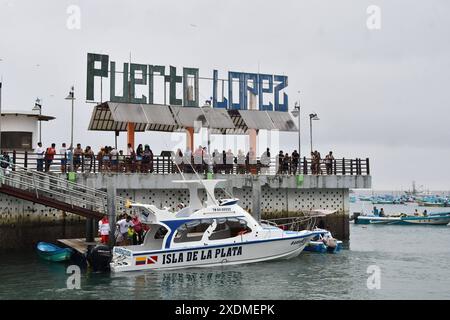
(169, 164)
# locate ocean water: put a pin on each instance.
(413, 263)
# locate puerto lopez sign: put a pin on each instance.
(269, 89)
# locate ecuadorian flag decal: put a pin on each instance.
(140, 261)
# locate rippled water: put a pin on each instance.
(414, 263)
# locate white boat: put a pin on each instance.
(214, 233)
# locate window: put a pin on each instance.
(17, 140)
(229, 228)
(192, 231)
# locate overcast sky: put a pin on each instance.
(380, 93)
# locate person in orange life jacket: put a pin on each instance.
(49, 155)
(138, 230)
(103, 229)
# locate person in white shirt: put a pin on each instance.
(40, 151)
(63, 155)
(123, 225)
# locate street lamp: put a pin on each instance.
(71, 96)
(312, 116)
(38, 107)
(296, 114)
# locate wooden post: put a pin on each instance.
(190, 138)
(367, 167)
(343, 166)
(130, 134)
(25, 161)
(351, 166)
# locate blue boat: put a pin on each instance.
(324, 244)
(403, 219)
(51, 252)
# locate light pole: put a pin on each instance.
(1, 82)
(38, 107)
(71, 96)
(312, 116)
(296, 114)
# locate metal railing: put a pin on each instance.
(163, 164)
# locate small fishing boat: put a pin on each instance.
(51, 252)
(206, 234)
(403, 219)
(324, 243)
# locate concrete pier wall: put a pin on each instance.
(23, 224)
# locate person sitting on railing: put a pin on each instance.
(63, 155)
(130, 158)
(49, 156)
(88, 159)
(77, 154)
(295, 158)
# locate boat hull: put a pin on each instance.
(210, 255)
(429, 220)
(51, 252)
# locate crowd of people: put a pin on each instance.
(143, 160)
(129, 230)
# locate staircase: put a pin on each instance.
(53, 190)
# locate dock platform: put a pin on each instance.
(79, 245)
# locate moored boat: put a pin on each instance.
(51, 252)
(324, 243)
(214, 233)
(403, 219)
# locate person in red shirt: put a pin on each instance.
(49, 155)
(103, 229)
(138, 230)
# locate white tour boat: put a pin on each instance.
(215, 233)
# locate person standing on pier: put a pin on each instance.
(103, 229)
(295, 162)
(40, 157)
(329, 162)
(63, 154)
(49, 156)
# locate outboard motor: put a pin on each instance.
(99, 257)
(355, 216)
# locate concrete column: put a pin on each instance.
(190, 138)
(130, 134)
(256, 198)
(111, 204)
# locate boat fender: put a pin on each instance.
(99, 258)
